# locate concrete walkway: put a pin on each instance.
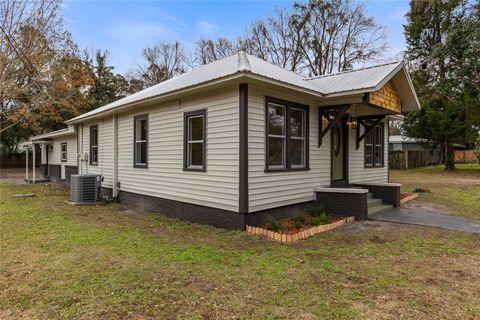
(419, 217)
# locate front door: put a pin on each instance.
(339, 143)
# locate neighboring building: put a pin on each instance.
(408, 153)
(240, 138)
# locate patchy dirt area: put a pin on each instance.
(17, 175)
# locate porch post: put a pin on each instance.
(26, 163)
(33, 165)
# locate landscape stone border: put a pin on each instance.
(289, 238)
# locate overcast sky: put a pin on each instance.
(126, 27)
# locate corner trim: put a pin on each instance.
(243, 152)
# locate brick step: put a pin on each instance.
(372, 202)
(379, 207)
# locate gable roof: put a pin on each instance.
(237, 64)
(368, 80)
(245, 65)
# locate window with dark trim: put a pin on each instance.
(63, 152)
(94, 145)
(140, 143)
(286, 135)
(194, 146)
(374, 147)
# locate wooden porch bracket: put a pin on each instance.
(326, 112)
(364, 121)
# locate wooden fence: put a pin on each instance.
(402, 160)
(466, 156)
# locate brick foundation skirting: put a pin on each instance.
(185, 211)
(54, 171)
(69, 170)
(342, 203)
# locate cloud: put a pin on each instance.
(207, 28)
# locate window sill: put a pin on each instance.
(286, 169)
(63, 161)
(374, 167)
(141, 166)
(93, 164)
(195, 169)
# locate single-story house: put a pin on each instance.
(238, 139)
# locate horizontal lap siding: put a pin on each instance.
(274, 189)
(105, 150)
(357, 171)
(71, 152)
(165, 177)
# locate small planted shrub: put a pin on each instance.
(324, 217)
(316, 221)
(298, 221)
(316, 210)
(273, 224)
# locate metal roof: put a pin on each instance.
(240, 63)
(404, 139)
(368, 80)
(57, 133)
(243, 64)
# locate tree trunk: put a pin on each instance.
(449, 156)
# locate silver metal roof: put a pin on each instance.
(368, 80)
(242, 64)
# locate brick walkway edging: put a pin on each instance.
(409, 198)
(289, 238)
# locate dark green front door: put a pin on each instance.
(339, 153)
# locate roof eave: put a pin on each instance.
(243, 73)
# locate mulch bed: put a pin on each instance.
(289, 226)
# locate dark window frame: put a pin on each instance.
(135, 119)
(61, 152)
(186, 117)
(372, 135)
(288, 106)
(92, 128)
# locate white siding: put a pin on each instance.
(165, 177)
(357, 171)
(275, 189)
(71, 141)
(105, 150)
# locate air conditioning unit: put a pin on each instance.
(85, 188)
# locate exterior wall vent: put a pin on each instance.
(85, 188)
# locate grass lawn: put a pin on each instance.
(108, 262)
(457, 192)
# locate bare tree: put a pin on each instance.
(275, 39)
(162, 62)
(208, 50)
(336, 35)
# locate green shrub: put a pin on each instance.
(316, 210)
(298, 220)
(274, 224)
(324, 217)
(316, 221)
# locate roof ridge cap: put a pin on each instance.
(353, 70)
(243, 62)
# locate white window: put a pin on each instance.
(141, 140)
(63, 151)
(194, 145)
(287, 135)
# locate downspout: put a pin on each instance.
(115, 157)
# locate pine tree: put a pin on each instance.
(444, 52)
